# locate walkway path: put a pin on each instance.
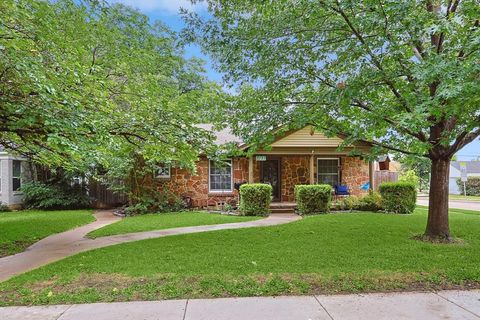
(67, 243)
(378, 306)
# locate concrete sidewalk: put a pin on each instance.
(409, 305)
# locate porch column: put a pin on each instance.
(250, 169)
(312, 169)
(370, 174)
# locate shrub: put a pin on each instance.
(472, 186)
(398, 197)
(4, 208)
(39, 195)
(370, 202)
(409, 176)
(155, 202)
(346, 203)
(312, 199)
(255, 199)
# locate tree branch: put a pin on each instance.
(375, 61)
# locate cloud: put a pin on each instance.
(170, 7)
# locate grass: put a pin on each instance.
(462, 197)
(20, 229)
(344, 252)
(165, 221)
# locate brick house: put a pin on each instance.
(301, 156)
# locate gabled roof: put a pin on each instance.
(302, 137)
(472, 166)
(306, 137)
(222, 136)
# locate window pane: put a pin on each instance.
(221, 175)
(328, 171)
(16, 184)
(17, 168)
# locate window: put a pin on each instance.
(16, 174)
(328, 171)
(163, 172)
(220, 176)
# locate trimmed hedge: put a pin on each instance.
(472, 186)
(255, 199)
(312, 199)
(398, 197)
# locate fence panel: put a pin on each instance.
(103, 197)
(383, 176)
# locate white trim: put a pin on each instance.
(165, 176)
(330, 174)
(231, 178)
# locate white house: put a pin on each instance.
(12, 174)
(473, 170)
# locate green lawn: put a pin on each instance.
(18, 230)
(462, 197)
(165, 221)
(344, 252)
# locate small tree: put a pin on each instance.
(397, 75)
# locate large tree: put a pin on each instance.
(401, 75)
(83, 83)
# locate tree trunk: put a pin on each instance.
(437, 225)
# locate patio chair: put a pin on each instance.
(341, 190)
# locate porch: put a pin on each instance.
(285, 171)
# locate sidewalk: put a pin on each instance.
(425, 306)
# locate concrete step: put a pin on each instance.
(282, 210)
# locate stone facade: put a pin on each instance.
(195, 186)
(295, 169)
(354, 173)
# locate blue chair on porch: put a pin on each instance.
(341, 190)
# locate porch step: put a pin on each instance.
(283, 207)
(282, 210)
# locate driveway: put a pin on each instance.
(378, 306)
(454, 204)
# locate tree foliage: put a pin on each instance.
(83, 83)
(400, 75)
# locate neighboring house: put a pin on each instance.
(473, 170)
(12, 173)
(301, 156)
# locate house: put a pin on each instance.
(473, 170)
(303, 156)
(13, 169)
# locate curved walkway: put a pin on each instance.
(68, 243)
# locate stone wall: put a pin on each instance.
(183, 183)
(294, 170)
(355, 173)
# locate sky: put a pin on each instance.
(167, 11)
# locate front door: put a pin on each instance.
(270, 174)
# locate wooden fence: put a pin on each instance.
(383, 176)
(103, 197)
